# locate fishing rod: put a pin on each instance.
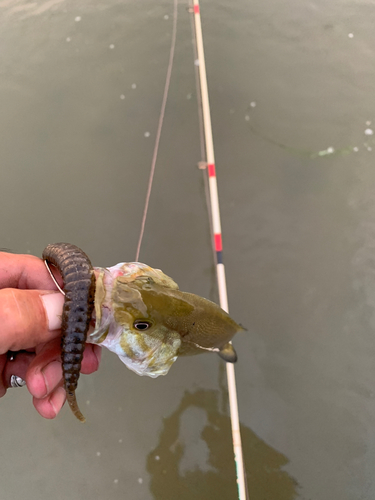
(206, 144)
(218, 245)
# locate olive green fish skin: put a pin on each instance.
(79, 287)
(172, 323)
(199, 321)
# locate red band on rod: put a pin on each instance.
(211, 170)
(218, 242)
(196, 9)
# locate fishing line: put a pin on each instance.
(160, 126)
(217, 240)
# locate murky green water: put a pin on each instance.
(80, 93)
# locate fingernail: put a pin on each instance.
(57, 399)
(52, 374)
(53, 305)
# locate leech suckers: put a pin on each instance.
(79, 287)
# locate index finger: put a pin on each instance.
(25, 272)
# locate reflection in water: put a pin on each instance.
(175, 473)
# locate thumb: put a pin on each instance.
(28, 318)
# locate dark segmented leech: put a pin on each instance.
(79, 287)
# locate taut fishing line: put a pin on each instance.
(160, 126)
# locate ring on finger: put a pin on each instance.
(16, 381)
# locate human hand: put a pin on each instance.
(30, 319)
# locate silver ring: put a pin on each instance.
(16, 381)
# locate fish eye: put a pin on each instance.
(142, 325)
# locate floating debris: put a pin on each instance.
(134, 85)
(253, 104)
(350, 35)
(231, 111)
(77, 19)
(369, 131)
(355, 149)
(196, 62)
(122, 96)
(112, 46)
(327, 151)
(147, 134)
(88, 402)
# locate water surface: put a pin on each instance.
(291, 89)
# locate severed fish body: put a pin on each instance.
(143, 317)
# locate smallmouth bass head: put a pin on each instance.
(142, 316)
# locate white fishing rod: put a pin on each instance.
(215, 223)
(216, 229)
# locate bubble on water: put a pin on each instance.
(188, 96)
(77, 19)
(368, 123)
(68, 39)
(196, 62)
(369, 148)
(253, 104)
(115, 481)
(112, 46)
(147, 134)
(134, 85)
(157, 457)
(369, 131)
(247, 118)
(98, 453)
(330, 150)
(166, 17)
(88, 402)
(120, 440)
(122, 96)
(140, 480)
(350, 35)
(355, 149)
(231, 111)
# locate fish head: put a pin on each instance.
(153, 322)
